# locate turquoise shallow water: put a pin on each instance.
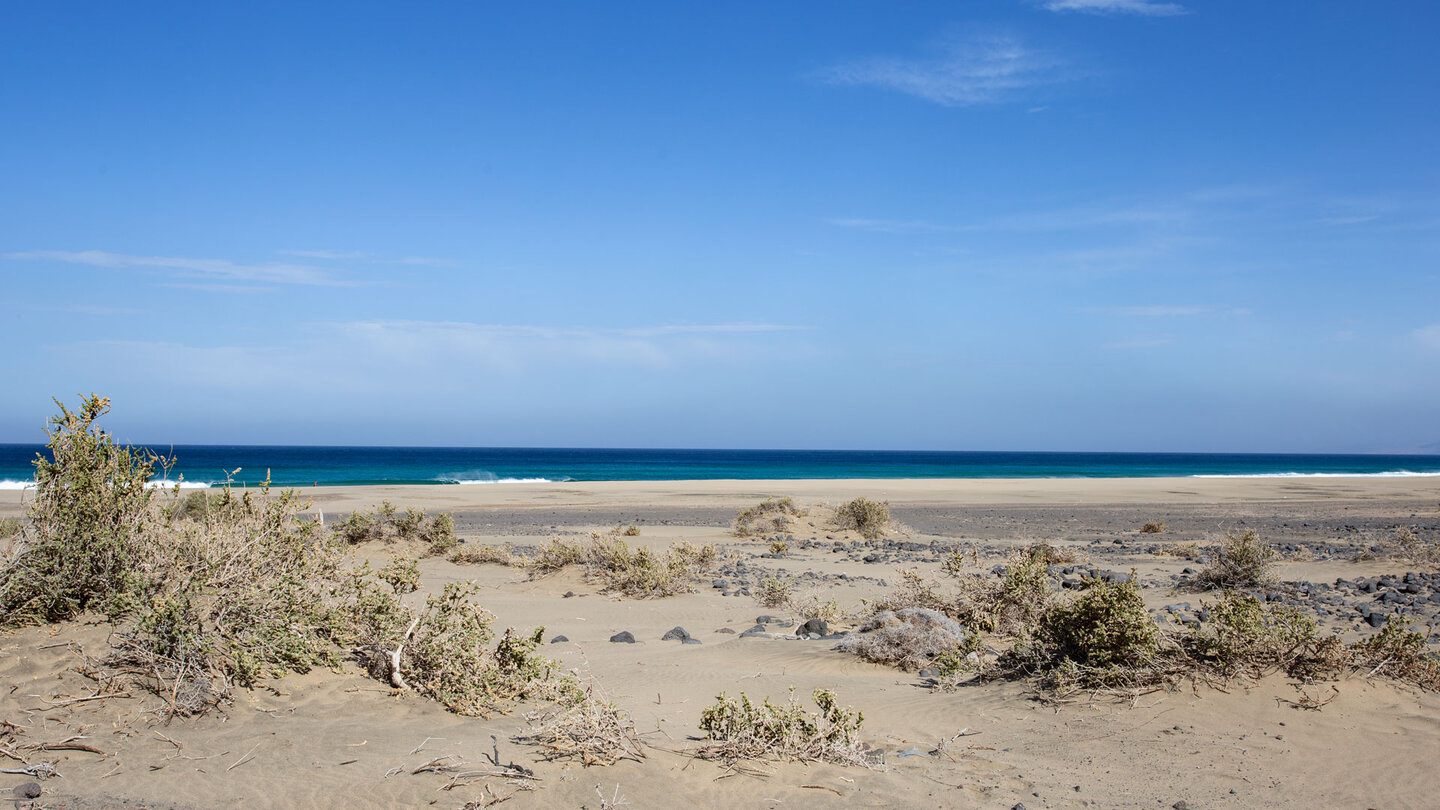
(304, 466)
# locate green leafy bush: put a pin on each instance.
(89, 517)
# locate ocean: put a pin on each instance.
(209, 465)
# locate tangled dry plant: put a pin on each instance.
(1242, 561)
(388, 524)
(770, 516)
(238, 587)
(589, 729)
(869, 518)
(739, 729)
(637, 573)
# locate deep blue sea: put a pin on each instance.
(306, 466)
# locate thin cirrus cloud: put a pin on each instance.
(210, 270)
(1147, 8)
(972, 72)
(454, 355)
(361, 256)
(1165, 311)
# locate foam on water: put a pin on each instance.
(486, 477)
(1388, 474)
(17, 484)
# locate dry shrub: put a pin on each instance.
(637, 573)
(1102, 639)
(1242, 561)
(914, 591)
(1153, 527)
(1047, 554)
(770, 516)
(591, 730)
(1015, 600)
(910, 638)
(233, 589)
(89, 521)
(11, 527)
(474, 554)
(1399, 652)
(774, 592)
(1407, 546)
(387, 524)
(1246, 637)
(739, 729)
(631, 531)
(1188, 551)
(555, 555)
(249, 592)
(448, 658)
(869, 518)
(811, 606)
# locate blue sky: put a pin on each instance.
(999, 224)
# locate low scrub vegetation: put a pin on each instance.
(740, 729)
(1405, 545)
(770, 516)
(1187, 551)
(208, 593)
(478, 554)
(388, 524)
(869, 518)
(448, 658)
(774, 591)
(1242, 561)
(1153, 527)
(588, 730)
(11, 527)
(638, 573)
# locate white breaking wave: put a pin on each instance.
(497, 480)
(152, 485)
(1389, 474)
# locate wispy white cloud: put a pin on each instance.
(84, 309)
(1148, 8)
(1166, 311)
(362, 256)
(894, 225)
(428, 355)
(1103, 214)
(323, 254)
(980, 70)
(215, 269)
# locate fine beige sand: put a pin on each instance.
(331, 739)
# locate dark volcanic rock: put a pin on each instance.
(816, 626)
(558, 639)
(623, 637)
(676, 633)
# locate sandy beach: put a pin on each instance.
(343, 739)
